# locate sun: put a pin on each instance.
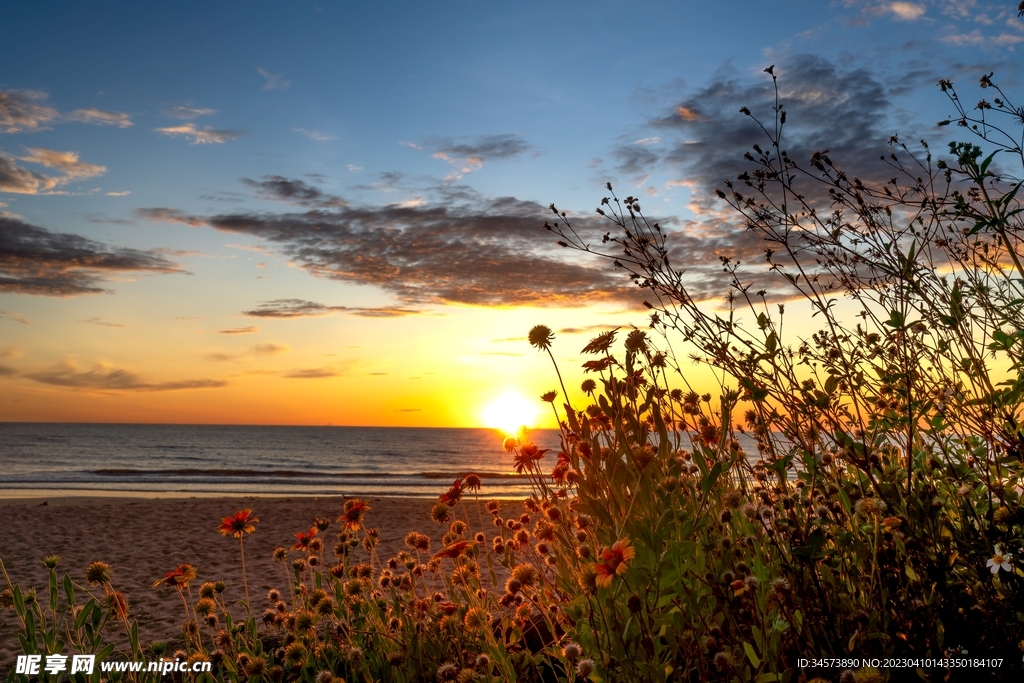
(510, 412)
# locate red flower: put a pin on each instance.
(178, 577)
(454, 494)
(238, 524)
(613, 562)
(304, 539)
(355, 510)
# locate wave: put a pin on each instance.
(236, 472)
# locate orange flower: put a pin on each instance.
(304, 539)
(118, 605)
(238, 524)
(613, 562)
(355, 510)
(454, 550)
(178, 577)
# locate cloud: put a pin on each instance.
(293, 191)
(6, 371)
(100, 117)
(907, 11)
(315, 135)
(105, 377)
(23, 111)
(469, 155)
(200, 137)
(354, 168)
(10, 352)
(187, 113)
(16, 317)
(298, 308)
(19, 180)
(975, 37)
(252, 329)
(101, 321)
(271, 349)
(34, 260)
(274, 82)
(123, 193)
(315, 373)
(65, 162)
(460, 248)
(165, 215)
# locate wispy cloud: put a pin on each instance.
(206, 136)
(101, 322)
(315, 135)
(16, 317)
(101, 117)
(19, 180)
(164, 215)
(273, 81)
(469, 155)
(294, 192)
(267, 349)
(24, 111)
(187, 113)
(34, 260)
(324, 372)
(65, 162)
(299, 308)
(252, 329)
(108, 378)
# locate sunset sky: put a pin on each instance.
(312, 213)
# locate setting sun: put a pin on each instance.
(510, 412)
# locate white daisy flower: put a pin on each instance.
(999, 561)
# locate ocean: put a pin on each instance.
(131, 459)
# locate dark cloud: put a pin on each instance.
(829, 107)
(508, 146)
(103, 377)
(293, 191)
(240, 330)
(34, 260)
(298, 308)
(168, 216)
(6, 371)
(471, 250)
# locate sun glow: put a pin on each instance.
(510, 412)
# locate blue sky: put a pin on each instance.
(194, 146)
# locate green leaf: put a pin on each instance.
(755, 662)
(69, 589)
(712, 477)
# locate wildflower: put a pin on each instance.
(118, 605)
(525, 574)
(207, 590)
(51, 561)
(476, 619)
(613, 562)
(355, 510)
(572, 651)
(493, 507)
(509, 443)
(280, 553)
(439, 513)
(447, 672)
(541, 337)
(549, 396)
(97, 573)
(588, 386)
(238, 524)
(295, 653)
(584, 668)
(472, 482)
(869, 506)
(178, 577)
(304, 538)
(999, 561)
(7, 598)
(454, 550)
(454, 494)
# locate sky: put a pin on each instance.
(331, 213)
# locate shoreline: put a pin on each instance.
(144, 537)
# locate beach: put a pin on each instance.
(144, 538)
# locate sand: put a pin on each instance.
(142, 539)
